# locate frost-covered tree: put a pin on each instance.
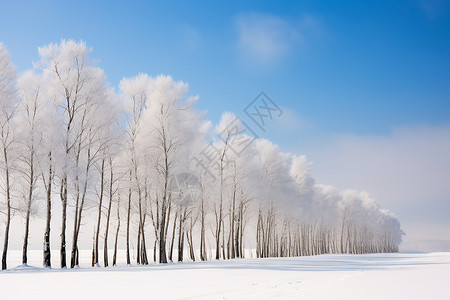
(148, 159)
(79, 89)
(8, 107)
(107, 141)
(30, 118)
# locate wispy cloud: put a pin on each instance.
(264, 39)
(434, 9)
(407, 171)
(190, 37)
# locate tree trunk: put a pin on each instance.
(154, 250)
(75, 261)
(5, 244)
(223, 242)
(25, 239)
(202, 232)
(138, 245)
(141, 233)
(75, 225)
(144, 258)
(8, 211)
(232, 220)
(191, 244)
(48, 187)
(128, 224)
(27, 219)
(117, 232)
(162, 240)
(173, 236)
(236, 238)
(218, 229)
(181, 237)
(102, 182)
(108, 215)
(164, 207)
(63, 221)
(241, 232)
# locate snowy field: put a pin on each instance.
(375, 276)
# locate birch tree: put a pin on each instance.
(8, 106)
(31, 91)
(78, 89)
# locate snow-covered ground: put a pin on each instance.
(375, 276)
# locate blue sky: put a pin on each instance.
(339, 69)
(352, 66)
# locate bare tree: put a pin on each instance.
(112, 191)
(92, 143)
(218, 208)
(78, 82)
(136, 105)
(202, 207)
(100, 205)
(166, 146)
(31, 138)
(8, 107)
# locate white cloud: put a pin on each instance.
(264, 39)
(434, 9)
(290, 121)
(407, 171)
(191, 38)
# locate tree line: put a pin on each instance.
(157, 175)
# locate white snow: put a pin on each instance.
(371, 276)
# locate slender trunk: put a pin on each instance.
(64, 205)
(27, 219)
(162, 229)
(25, 239)
(229, 244)
(47, 254)
(181, 237)
(93, 245)
(169, 210)
(173, 236)
(258, 235)
(108, 215)
(73, 260)
(5, 244)
(236, 238)
(128, 223)
(232, 220)
(220, 217)
(117, 232)
(138, 245)
(223, 242)
(241, 231)
(93, 252)
(63, 221)
(191, 244)
(100, 202)
(141, 235)
(75, 252)
(218, 225)
(8, 211)
(202, 231)
(75, 225)
(342, 234)
(144, 258)
(162, 237)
